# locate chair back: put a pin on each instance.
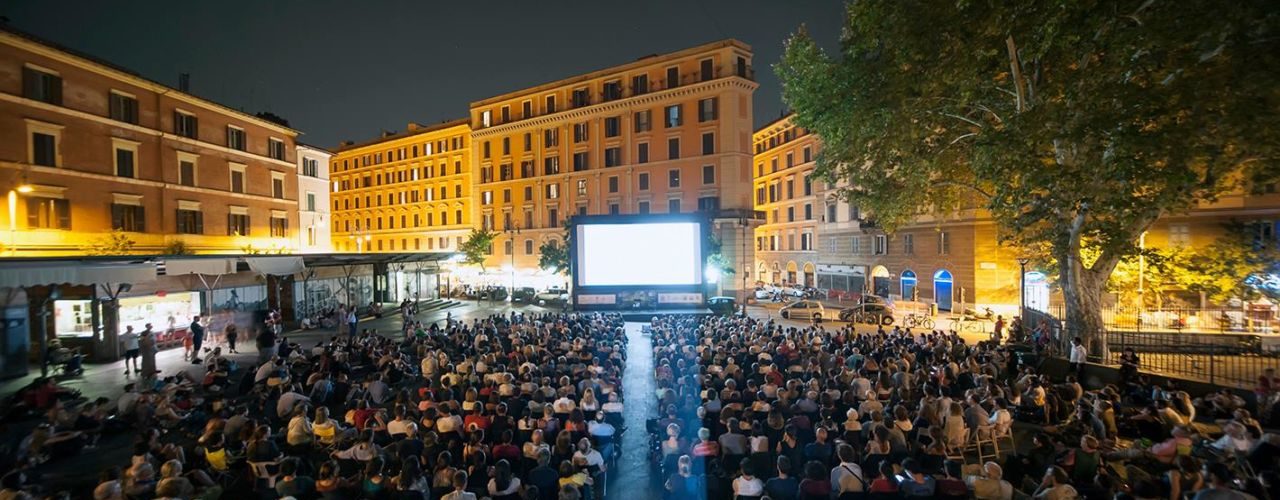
(263, 472)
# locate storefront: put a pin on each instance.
(74, 318)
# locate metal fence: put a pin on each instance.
(1222, 357)
(1187, 319)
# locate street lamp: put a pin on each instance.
(511, 232)
(1022, 289)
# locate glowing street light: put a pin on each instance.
(713, 274)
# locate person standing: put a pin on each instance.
(197, 339)
(131, 348)
(232, 335)
(351, 322)
(147, 349)
(1078, 356)
(266, 345)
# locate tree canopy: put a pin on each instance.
(477, 246)
(1074, 124)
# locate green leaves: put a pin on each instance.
(477, 246)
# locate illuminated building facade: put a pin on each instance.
(792, 201)
(87, 148)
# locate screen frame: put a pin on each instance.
(704, 230)
(687, 231)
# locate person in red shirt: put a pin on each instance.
(361, 415)
(476, 420)
(885, 483)
(705, 447)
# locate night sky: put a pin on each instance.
(341, 70)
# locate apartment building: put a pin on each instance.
(88, 148)
(404, 192)
(663, 134)
(313, 200)
(792, 201)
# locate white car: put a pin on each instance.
(805, 309)
(551, 295)
(765, 292)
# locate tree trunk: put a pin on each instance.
(1082, 291)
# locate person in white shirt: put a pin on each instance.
(990, 485)
(131, 349)
(1078, 356)
(401, 425)
(264, 372)
(1001, 419)
(847, 476)
(284, 407)
(563, 405)
(129, 400)
(747, 485)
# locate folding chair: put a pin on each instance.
(262, 473)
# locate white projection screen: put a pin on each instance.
(645, 254)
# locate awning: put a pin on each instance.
(213, 267)
(21, 276)
(278, 266)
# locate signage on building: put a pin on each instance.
(987, 265)
(597, 299)
(842, 269)
(679, 298)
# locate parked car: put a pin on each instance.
(524, 294)
(805, 309)
(551, 296)
(724, 306)
(869, 313)
(764, 292)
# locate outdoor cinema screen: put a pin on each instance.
(660, 253)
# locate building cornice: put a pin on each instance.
(725, 83)
(66, 172)
(75, 113)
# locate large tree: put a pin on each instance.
(1073, 123)
(477, 247)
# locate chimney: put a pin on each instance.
(413, 127)
(184, 82)
(387, 133)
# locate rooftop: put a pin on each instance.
(401, 135)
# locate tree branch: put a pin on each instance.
(1016, 69)
(963, 119)
(970, 186)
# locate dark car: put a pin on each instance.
(524, 294)
(724, 306)
(870, 313)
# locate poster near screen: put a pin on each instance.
(639, 254)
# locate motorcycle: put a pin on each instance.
(972, 315)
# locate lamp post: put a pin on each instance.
(1022, 289)
(511, 232)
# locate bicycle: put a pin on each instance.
(968, 325)
(917, 321)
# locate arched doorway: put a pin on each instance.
(810, 277)
(880, 281)
(908, 281)
(791, 272)
(1036, 294)
(942, 289)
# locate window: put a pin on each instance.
(639, 84)
(486, 118)
(612, 157)
(708, 174)
(614, 209)
(791, 189)
(806, 241)
(279, 226)
(944, 243)
(311, 201)
(486, 198)
(311, 168)
(506, 146)
(881, 244)
(791, 214)
(709, 203)
(44, 149)
(708, 109)
(808, 185)
(808, 211)
(673, 205)
(277, 185)
(643, 121)
(708, 143)
(528, 142)
(551, 166)
(528, 247)
(485, 148)
(808, 154)
(580, 132)
(237, 178)
(705, 67)
(526, 109)
(553, 191)
(506, 221)
(486, 221)
(506, 114)
(551, 137)
(238, 224)
(126, 157)
(580, 97)
(551, 104)
(908, 244)
(582, 187)
(612, 90)
(642, 153)
(831, 213)
(124, 107)
(673, 77)
(41, 85)
(48, 213)
(190, 221)
(506, 195)
(553, 217)
(673, 148)
(791, 160)
(672, 116)
(613, 184)
(185, 124)
(643, 208)
(742, 67)
(505, 172)
(235, 138)
(130, 218)
(773, 165)
(644, 181)
(1179, 235)
(612, 126)
(187, 172)
(580, 161)
(582, 209)
(673, 178)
